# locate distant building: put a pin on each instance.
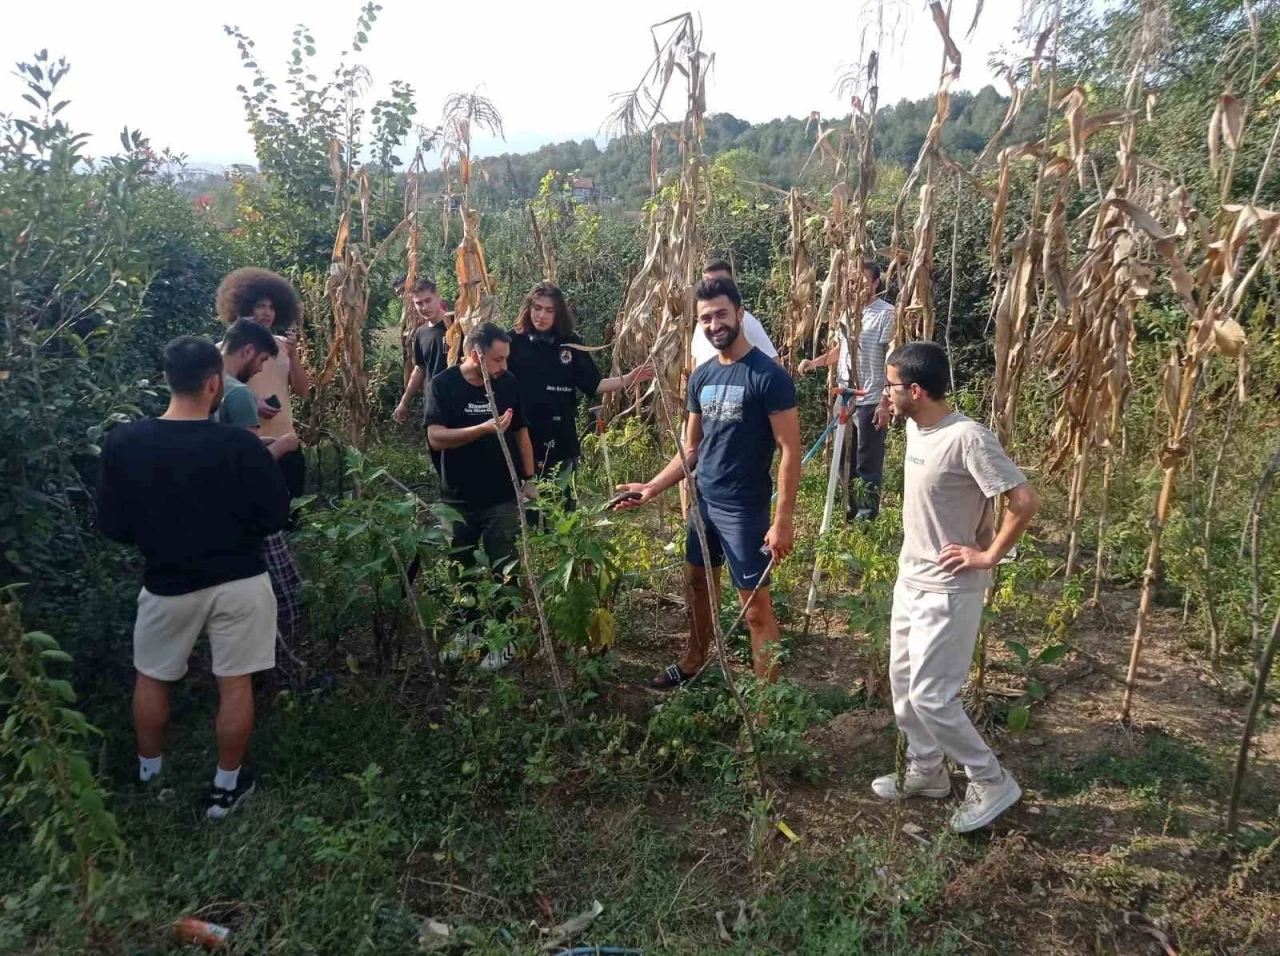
(584, 190)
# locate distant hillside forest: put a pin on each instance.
(774, 153)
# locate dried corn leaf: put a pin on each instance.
(1232, 120)
(1229, 337)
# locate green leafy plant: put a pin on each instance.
(50, 787)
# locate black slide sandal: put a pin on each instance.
(672, 677)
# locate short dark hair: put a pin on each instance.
(482, 337)
(248, 332)
(564, 315)
(241, 290)
(709, 289)
(424, 285)
(189, 361)
(401, 281)
(719, 265)
(869, 266)
(924, 364)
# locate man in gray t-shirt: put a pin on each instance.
(871, 408)
(954, 467)
(244, 351)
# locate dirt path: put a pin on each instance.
(1116, 847)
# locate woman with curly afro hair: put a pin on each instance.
(271, 300)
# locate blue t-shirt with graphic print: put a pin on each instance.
(735, 402)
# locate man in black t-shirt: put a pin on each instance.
(552, 366)
(430, 351)
(741, 404)
(196, 498)
(465, 441)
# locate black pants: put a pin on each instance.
(496, 528)
(866, 456)
(294, 467)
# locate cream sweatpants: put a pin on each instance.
(931, 643)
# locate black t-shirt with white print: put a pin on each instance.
(430, 351)
(551, 373)
(476, 473)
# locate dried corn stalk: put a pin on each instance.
(408, 316)
(1211, 296)
(463, 112)
(1087, 347)
(800, 312)
(1011, 321)
(915, 297)
(657, 315)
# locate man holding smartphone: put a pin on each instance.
(257, 297)
(272, 302)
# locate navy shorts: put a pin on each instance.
(735, 534)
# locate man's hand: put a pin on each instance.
(644, 491)
(804, 366)
(401, 414)
(286, 444)
(266, 412)
(882, 417)
(502, 422)
(529, 490)
(641, 373)
(780, 539)
(291, 342)
(955, 558)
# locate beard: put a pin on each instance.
(723, 338)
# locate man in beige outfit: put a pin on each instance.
(954, 468)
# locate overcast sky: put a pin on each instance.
(549, 70)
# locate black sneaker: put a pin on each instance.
(223, 803)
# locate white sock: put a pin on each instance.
(149, 767)
(226, 779)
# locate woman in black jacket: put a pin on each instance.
(551, 366)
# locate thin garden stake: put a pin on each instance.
(841, 417)
(1263, 663)
(526, 555)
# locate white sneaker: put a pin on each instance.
(936, 785)
(458, 646)
(496, 660)
(983, 802)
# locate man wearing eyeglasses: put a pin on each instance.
(954, 468)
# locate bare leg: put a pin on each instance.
(765, 637)
(700, 631)
(235, 719)
(150, 714)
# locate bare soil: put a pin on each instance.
(1117, 845)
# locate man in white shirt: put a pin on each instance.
(701, 348)
(871, 409)
(954, 468)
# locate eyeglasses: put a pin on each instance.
(890, 386)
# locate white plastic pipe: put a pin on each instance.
(833, 480)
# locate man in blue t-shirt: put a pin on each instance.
(741, 404)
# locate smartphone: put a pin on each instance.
(273, 401)
(619, 499)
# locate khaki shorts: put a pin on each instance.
(239, 617)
